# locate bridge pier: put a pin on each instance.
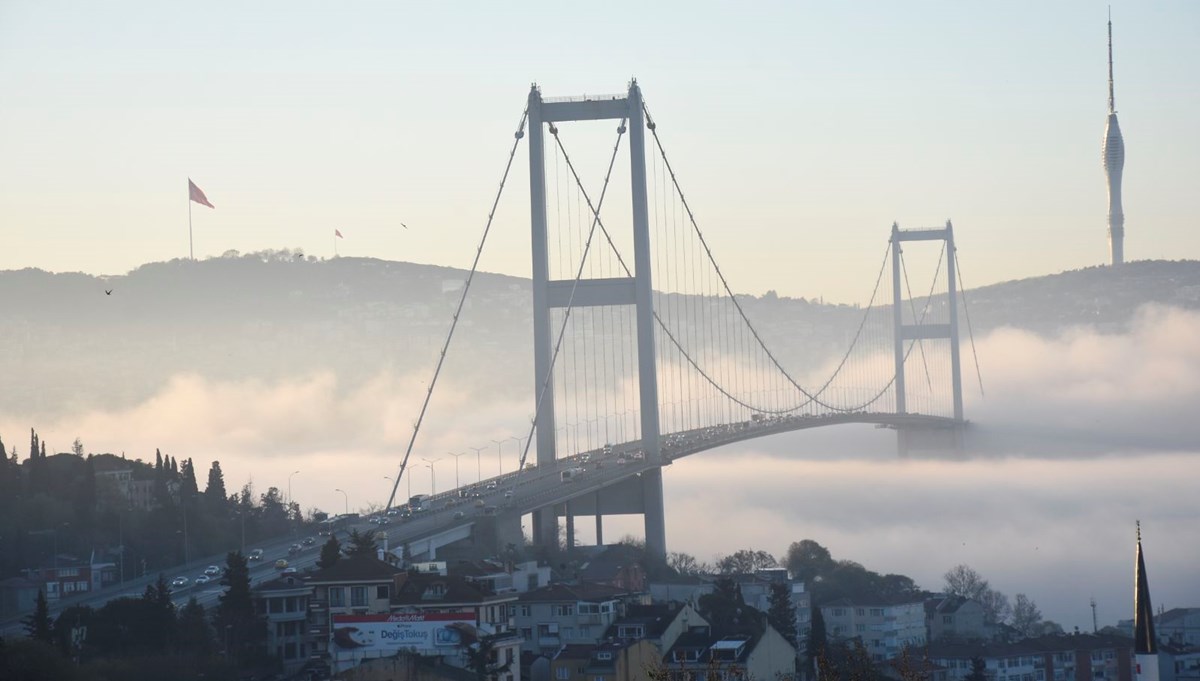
(653, 515)
(599, 523)
(570, 526)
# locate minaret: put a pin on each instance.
(1114, 162)
(1145, 647)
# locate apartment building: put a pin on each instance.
(284, 603)
(885, 627)
(563, 614)
(1059, 657)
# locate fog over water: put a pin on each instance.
(1079, 435)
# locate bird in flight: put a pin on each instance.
(108, 292)
(404, 225)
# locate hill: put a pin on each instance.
(67, 345)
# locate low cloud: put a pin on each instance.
(1079, 435)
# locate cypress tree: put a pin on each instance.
(187, 487)
(235, 609)
(38, 625)
(781, 614)
(214, 492)
(331, 551)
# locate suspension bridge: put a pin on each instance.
(644, 353)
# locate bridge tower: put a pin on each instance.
(636, 290)
(903, 332)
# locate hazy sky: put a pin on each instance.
(800, 130)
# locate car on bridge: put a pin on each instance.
(179, 581)
(256, 554)
(281, 564)
(212, 571)
(203, 579)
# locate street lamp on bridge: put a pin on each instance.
(432, 475)
(346, 499)
(478, 463)
(456, 483)
(499, 460)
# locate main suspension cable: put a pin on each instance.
(812, 396)
(520, 133)
(962, 288)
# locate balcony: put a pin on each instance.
(549, 641)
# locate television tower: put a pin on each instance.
(1114, 162)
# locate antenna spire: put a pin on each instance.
(1111, 99)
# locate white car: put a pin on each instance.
(203, 579)
(179, 581)
(212, 571)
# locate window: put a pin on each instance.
(630, 631)
(860, 612)
(381, 592)
(839, 612)
(526, 633)
(860, 628)
(562, 673)
(358, 596)
(337, 597)
(876, 612)
(526, 611)
(564, 610)
(589, 608)
(568, 632)
(947, 619)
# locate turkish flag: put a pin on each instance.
(195, 194)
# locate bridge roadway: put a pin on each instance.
(509, 495)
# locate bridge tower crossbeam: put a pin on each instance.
(636, 290)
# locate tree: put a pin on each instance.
(331, 551)
(781, 614)
(725, 608)
(814, 648)
(77, 447)
(483, 658)
(1026, 618)
(363, 544)
(68, 620)
(159, 616)
(195, 635)
(685, 563)
(38, 625)
(807, 561)
(187, 486)
(978, 670)
(996, 609)
(962, 580)
(745, 561)
(235, 610)
(214, 492)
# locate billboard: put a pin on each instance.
(386, 634)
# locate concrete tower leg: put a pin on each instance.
(570, 526)
(545, 522)
(653, 514)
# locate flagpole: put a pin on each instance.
(191, 252)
